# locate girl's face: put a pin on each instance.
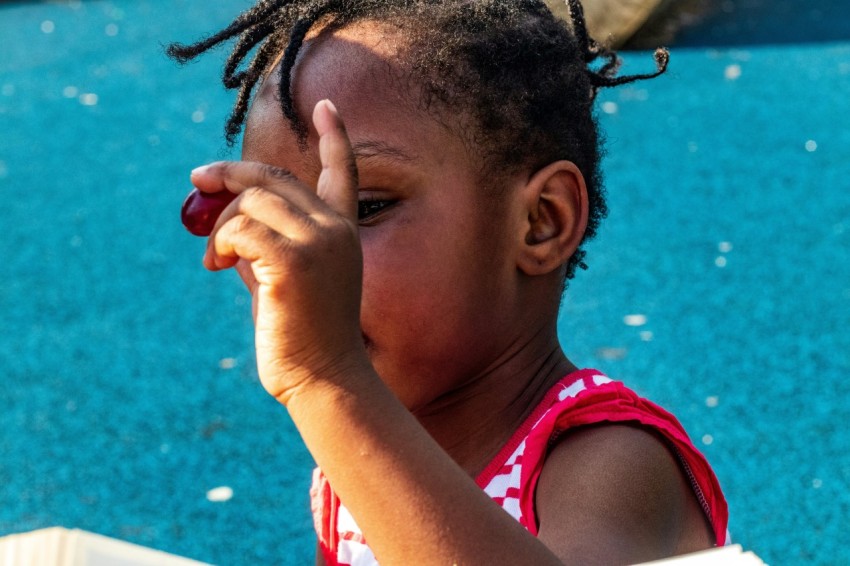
(439, 282)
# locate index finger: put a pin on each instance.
(237, 176)
(338, 181)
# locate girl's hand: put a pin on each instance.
(298, 252)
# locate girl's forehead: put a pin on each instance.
(361, 70)
(361, 60)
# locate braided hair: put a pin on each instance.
(527, 79)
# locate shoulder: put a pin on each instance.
(616, 493)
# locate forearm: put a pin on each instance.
(407, 495)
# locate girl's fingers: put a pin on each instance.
(338, 182)
(275, 206)
(277, 212)
(337, 185)
(246, 272)
(240, 176)
(244, 239)
(237, 176)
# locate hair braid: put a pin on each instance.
(247, 41)
(247, 80)
(296, 40)
(252, 26)
(662, 58)
(605, 76)
(247, 19)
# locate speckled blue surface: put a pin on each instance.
(128, 389)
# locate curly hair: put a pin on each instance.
(527, 78)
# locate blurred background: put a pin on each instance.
(719, 285)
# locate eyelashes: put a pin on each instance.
(369, 208)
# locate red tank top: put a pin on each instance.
(582, 398)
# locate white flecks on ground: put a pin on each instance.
(609, 353)
(47, 26)
(634, 319)
(70, 91)
(220, 494)
(693, 147)
(639, 94)
(720, 261)
(116, 13)
(646, 335)
(724, 247)
(153, 140)
(111, 30)
(707, 439)
(8, 89)
(164, 448)
(198, 116)
(811, 146)
(88, 99)
(227, 363)
(4, 171)
(70, 406)
(838, 229)
(712, 401)
(732, 72)
(76, 242)
(817, 483)
(609, 107)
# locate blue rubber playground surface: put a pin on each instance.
(719, 285)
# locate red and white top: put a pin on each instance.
(582, 398)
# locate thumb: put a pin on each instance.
(338, 181)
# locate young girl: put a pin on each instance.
(418, 179)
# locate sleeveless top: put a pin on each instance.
(582, 398)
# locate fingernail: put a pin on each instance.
(331, 106)
(200, 170)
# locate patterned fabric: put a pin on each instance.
(582, 398)
(502, 479)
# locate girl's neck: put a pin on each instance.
(474, 421)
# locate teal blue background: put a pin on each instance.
(126, 370)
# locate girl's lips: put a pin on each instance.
(201, 210)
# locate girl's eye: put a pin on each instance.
(368, 208)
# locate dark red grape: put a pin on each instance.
(201, 210)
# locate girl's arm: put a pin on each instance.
(412, 502)
(299, 254)
(616, 494)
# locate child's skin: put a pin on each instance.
(406, 381)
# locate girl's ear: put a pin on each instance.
(555, 200)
